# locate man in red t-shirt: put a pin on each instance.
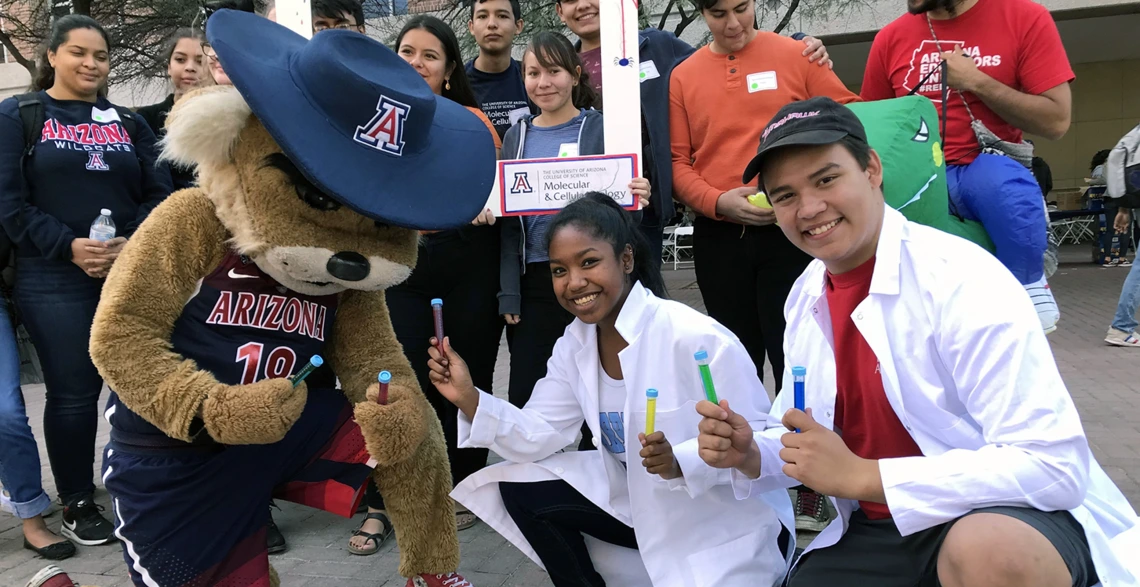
(1008, 70)
(933, 414)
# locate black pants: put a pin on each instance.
(872, 552)
(745, 274)
(57, 302)
(461, 267)
(541, 323)
(652, 229)
(553, 516)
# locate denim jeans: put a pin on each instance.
(19, 457)
(57, 302)
(1125, 319)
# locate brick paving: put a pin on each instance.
(1104, 382)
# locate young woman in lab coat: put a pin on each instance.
(654, 513)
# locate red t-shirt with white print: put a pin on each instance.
(1013, 41)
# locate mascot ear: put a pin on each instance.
(203, 128)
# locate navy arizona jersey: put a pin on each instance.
(242, 326)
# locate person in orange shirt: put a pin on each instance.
(720, 98)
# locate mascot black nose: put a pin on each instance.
(348, 266)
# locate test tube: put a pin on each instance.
(314, 362)
(437, 313)
(385, 378)
(798, 374)
(650, 410)
(702, 358)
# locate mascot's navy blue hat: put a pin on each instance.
(359, 122)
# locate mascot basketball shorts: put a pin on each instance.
(196, 516)
(1003, 195)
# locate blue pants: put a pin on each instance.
(1125, 319)
(1003, 195)
(57, 301)
(196, 516)
(19, 457)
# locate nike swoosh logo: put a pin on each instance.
(235, 275)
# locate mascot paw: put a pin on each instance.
(258, 413)
(448, 580)
(392, 431)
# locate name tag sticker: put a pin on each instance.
(517, 114)
(568, 150)
(648, 71)
(759, 82)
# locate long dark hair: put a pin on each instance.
(45, 73)
(460, 91)
(552, 49)
(173, 40)
(600, 216)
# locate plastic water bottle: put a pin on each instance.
(103, 229)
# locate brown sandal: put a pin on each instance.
(376, 539)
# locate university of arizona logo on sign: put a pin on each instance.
(522, 183)
(385, 131)
(95, 162)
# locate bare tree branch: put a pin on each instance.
(792, 6)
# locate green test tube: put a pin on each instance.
(702, 358)
(314, 362)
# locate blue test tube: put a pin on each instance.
(798, 374)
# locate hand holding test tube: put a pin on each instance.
(702, 358)
(437, 314)
(385, 378)
(314, 363)
(798, 374)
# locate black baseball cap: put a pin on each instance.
(817, 121)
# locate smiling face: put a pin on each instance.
(81, 62)
(581, 17)
(550, 87)
(424, 51)
(494, 26)
(826, 204)
(590, 281)
(187, 65)
(732, 24)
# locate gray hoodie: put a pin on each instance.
(512, 256)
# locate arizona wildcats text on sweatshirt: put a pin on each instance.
(84, 161)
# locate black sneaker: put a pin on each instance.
(274, 539)
(83, 524)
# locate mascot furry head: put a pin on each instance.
(315, 172)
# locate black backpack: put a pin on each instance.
(33, 118)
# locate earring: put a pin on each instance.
(447, 84)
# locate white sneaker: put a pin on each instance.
(1120, 338)
(1046, 306)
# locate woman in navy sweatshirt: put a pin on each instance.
(84, 160)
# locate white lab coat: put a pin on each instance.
(691, 532)
(970, 374)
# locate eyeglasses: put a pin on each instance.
(209, 52)
(343, 26)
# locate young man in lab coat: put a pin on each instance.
(936, 418)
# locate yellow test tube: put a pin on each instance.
(650, 410)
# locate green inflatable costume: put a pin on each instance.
(904, 132)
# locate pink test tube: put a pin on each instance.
(437, 313)
(385, 378)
